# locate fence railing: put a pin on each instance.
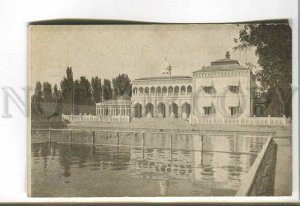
(260, 179)
(239, 120)
(96, 118)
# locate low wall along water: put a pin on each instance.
(260, 180)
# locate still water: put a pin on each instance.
(184, 165)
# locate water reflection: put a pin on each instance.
(185, 165)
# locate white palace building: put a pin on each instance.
(224, 88)
(165, 96)
(222, 93)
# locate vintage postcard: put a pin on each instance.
(147, 110)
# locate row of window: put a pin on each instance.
(208, 90)
(210, 110)
(211, 90)
(164, 89)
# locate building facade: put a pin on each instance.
(223, 89)
(165, 96)
(120, 106)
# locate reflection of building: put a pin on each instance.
(163, 96)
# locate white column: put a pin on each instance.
(179, 111)
(143, 110)
(167, 111)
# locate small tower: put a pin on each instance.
(165, 68)
(227, 55)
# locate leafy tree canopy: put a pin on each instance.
(273, 43)
(122, 85)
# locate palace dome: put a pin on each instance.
(165, 68)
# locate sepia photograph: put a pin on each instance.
(160, 110)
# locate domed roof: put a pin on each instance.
(165, 68)
(165, 65)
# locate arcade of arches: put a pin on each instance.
(161, 110)
(162, 97)
(163, 90)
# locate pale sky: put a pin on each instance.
(138, 50)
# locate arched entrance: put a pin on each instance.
(185, 110)
(174, 110)
(149, 110)
(138, 110)
(161, 110)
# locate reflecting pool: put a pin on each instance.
(141, 164)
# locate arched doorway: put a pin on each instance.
(161, 110)
(185, 110)
(174, 110)
(137, 110)
(149, 110)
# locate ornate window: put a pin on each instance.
(170, 90)
(189, 89)
(152, 90)
(158, 90)
(234, 111)
(182, 90)
(164, 90)
(208, 90)
(176, 90)
(234, 89)
(141, 90)
(208, 110)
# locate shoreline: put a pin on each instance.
(173, 125)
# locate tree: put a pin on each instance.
(76, 97)
(57, 100)
(96, 89)
(122, 85)
(36, 108)
(83, 96)
(107, 90)
(47, 92)
(67, 91)
(56, 93)
(273, 44)
(85, 93)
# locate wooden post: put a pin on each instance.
(171, 145)
(202, 148)
(171, 141)
(143, 139)
(118, 138)
(49, 136)
(93, 138)
(143, 144)
(71, 137)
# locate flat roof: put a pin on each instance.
(164, 78)
(222, 67)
